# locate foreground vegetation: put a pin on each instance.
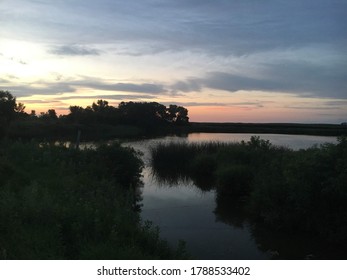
(63, 203)
(288, 191)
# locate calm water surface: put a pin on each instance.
(211, 227)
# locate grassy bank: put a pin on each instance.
(274, 128)
(60, 203)
(290, 191)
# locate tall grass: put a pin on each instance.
(228, 166)
(60, 203)
(175, 157)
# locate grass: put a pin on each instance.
(61, 203)
(223, 165)
(292, 191)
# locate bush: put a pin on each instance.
(305, 191)
(60, 203)
(202, 170)
(234, 180)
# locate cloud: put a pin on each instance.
(233, 82)
(304, 78)
(196, 104)
(220, 104)
(216, 27)
(186, 86)
(29, 90)
(108, 97)
(99, 84)
(74, 50)
(340, 103)
(144, 88)
(3, 81)
(73, 85)
(14, 59)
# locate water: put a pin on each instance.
(212, 227)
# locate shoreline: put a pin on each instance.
(270, 128)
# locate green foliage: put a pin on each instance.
(228, 166)
(184, 160)
(201, 169)
(61, 203)
(234, 179)
(306, 190)
(123, 163)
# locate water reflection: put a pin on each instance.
(231, 211)
(184, 212)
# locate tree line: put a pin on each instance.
(148, 116)
(135, 113)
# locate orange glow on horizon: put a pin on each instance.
(258, 115)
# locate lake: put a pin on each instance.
(214, 227)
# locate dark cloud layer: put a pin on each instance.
(297, 77)
(59, 87)
(118, 97)
(221, 26)
(74, 50)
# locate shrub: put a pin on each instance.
(60, 203)
(234, 180)
(202, 170)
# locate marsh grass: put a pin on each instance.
(226, 166)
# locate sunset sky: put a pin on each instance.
(224, 60)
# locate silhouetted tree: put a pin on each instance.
(143, 113)
(100, 105)
(19, 109)
(33, 114)
(50, 115)
(76, 114)
(7, 106)
(8, 111)
(178, 114)
(105, 113)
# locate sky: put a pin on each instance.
(224, 60)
